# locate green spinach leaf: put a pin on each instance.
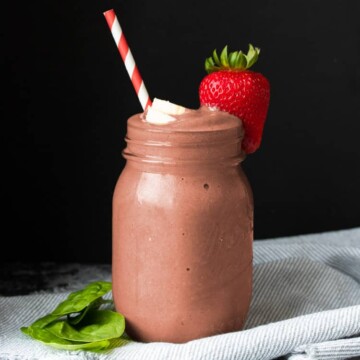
(96, 325)
(79, 300)
(78, 323)
(46, 337)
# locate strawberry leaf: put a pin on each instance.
(235, 60)
(224, 57)
(209, 65)
(216, 58)
(232, 59)
(252, 56)
(241, 62)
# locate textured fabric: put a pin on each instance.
(305, 305)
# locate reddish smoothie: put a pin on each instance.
(183, 228)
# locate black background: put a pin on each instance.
(67, 97)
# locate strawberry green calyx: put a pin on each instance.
(235, 60)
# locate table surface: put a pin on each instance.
(18, 278)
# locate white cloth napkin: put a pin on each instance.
(305, 305)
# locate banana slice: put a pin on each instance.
(161, 111)
(157, 117)
(167, 107)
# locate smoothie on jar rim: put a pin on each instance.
(183, 209)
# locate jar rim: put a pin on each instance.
(209, 140)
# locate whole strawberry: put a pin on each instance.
(230, 86)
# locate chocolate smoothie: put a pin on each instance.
(183, 228)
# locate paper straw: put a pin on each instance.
(127, 57)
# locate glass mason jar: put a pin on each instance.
(182, 233)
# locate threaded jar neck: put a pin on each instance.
(183, 147)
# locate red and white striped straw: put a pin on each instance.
(127, 57)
